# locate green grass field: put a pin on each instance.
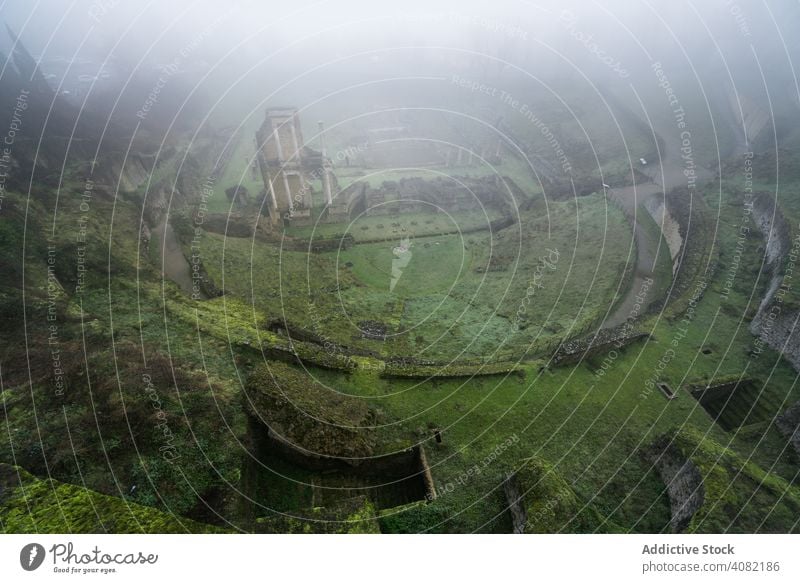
(457, 298)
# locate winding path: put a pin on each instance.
(664, 177)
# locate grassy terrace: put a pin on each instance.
(553, 413)
(614, 400)
(393, 227)
(34, 506)
(458, 297)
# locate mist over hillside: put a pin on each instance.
(418, 267)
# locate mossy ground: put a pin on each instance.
(613, 403)
(740, 497)
(459, 296)
(32, 506)
(590, 422)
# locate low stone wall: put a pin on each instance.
(293, 332)
(307, 348)
(409, 464)
(237, 224)
(408, 369)
(395, 465)
(318, 245)
(299, 353)
(605, 340)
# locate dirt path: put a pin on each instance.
(647, 253)
(665, 176)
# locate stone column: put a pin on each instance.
(326, 184)
(277, 138)
(296, 144)
(288, 190)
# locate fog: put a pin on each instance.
(223, 62)
(500, 231)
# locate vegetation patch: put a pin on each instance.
(734, 487)
(302, 411)
(32, 506)
(542, 502)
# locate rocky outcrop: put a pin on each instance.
(779, 328)
(709, 484)
(775, 323)
(232, 224)
(516, 509)
(683, 481)
(777, 241)
(541, 501)
(788, 423)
